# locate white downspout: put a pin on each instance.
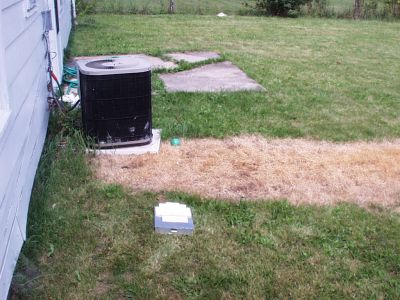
(54, 41)
(74, 10)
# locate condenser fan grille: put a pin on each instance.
(116, 107)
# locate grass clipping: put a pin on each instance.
(253, 167)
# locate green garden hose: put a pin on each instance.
(69, 77)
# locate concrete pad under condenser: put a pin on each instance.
(193, 57)
(153, 147)
(217, 77)
(155, 62)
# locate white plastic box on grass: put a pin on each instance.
(173, 218)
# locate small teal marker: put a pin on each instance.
(175, 141)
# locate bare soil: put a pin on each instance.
(256, 168)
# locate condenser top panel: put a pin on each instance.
(113, 65)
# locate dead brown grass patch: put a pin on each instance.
(254, 167)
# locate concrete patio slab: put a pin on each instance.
(156, 62)
(193, 57)
(223, 76)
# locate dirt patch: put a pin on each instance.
(103, 284)
(253, 167)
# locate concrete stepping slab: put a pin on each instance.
(217, 77)
(156, 62)
(193, 57)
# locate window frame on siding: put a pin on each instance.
(31, 6)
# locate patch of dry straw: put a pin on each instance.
(254, 167)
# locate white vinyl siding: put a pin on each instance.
(23, 116)
(4, 101)
(31, 7)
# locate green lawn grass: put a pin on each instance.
(88, 240)
(324, 79)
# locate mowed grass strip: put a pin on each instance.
(89, 240)
(325, 79)
(206, 7)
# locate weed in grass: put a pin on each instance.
(113, 191)
(239, 215)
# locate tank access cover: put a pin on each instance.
(173, 218)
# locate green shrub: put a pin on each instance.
(84, 7)
(283, 8)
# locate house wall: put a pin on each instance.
(60, 40)
(23, 115)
